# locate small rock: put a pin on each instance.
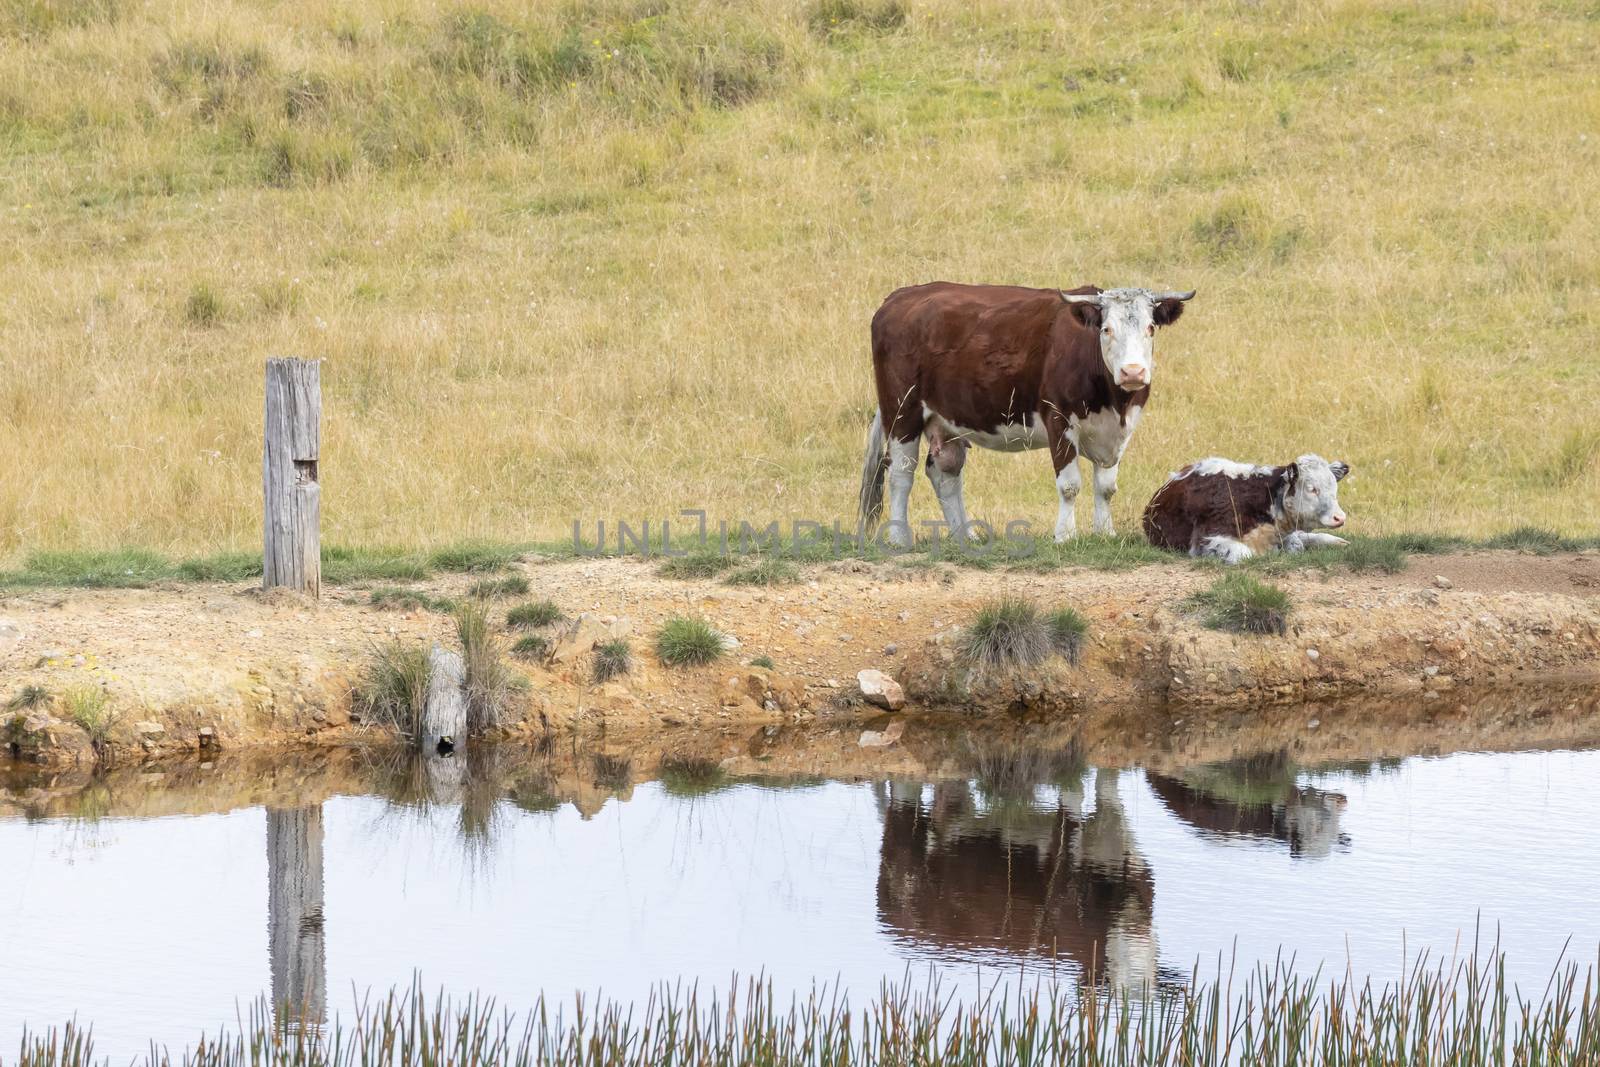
(253, 633)
(844, 639)
(880, 689)
(1313, 655)
(1430, 671)
(889, 650)
(882, 738)
(10, 636)
(1313, 724)
(148, 730)
(1441, 582)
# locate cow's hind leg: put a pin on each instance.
(1105, 487)
(902, 472)
(1227, 549)
(946, 457)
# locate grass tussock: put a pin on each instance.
(1009, 633)
(688, 641)
(476, 557)
(764, 662)
(393, 689)
(1068, 632)
(90, 708)
(685, 774)
(495, 588)
(1466, 1014)
(394, 598)
(531, 647)
(695, 565)
(611, 771)
(768, 570)
(613, 659)
(28, 698)
(1244, 604)
(492, 686)
(534, 614)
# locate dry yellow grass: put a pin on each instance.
(619, 259)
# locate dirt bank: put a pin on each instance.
(225, 666)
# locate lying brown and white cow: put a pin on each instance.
(1007, 368)
(1233, 511)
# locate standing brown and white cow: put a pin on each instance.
(1007, 368)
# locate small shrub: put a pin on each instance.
(203, 306)
(489, 588)
(396, 599)
(533, 646)
(490, 682)
(766, 571)
(695, 565)
(612, 772)
(90, 708)
(1244, 604)
(1007, 633)
(534, 614)
(688, 642)
(764, 661)
(393, 690)
(612, 659)
(1068, 629)
(28, 698)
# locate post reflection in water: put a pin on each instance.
(296, 937)
(1012, 872)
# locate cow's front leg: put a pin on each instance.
(1068, 483)
(1105, 487)
(1300, 540)
(1229, 550)
(902, 472)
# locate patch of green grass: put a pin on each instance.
(491, 684)
(768, 570)
(222, 567)
(688, 775)
(396, 599)
(489, 588)
(612, 660)
(90, 707)
(1244, 604)
(343, 565)
(1098, 552)
(534, 614)
(202, 307)
(764, 662)
(1533, 539)
(686, 641)
(830, 17)
(531, 646)
(28, 697)
(124, 568)
(1007, 633)
(1068, 631)
(477, 557)
(393, 688)
(1362, 554)
(695, 565)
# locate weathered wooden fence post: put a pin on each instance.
(292, 551)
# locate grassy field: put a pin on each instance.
(614, 259)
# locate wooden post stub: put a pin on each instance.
(292, 535)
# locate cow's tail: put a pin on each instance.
(874, 467)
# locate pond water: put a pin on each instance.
(484, 876)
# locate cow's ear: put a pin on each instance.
(1166, 312)
(1289, 476)
(1088, 315)
(1339, 470)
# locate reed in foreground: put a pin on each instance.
(1465, 1015)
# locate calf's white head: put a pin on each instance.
(1310, 489)
(1126, 320)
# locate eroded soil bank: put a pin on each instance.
(216, 666)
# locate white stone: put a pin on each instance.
(880, 689)
(1442, 582)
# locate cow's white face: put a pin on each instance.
(1126, 320)
(1312, 497)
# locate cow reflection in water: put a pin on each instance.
(1021, 876)
(1257, 797)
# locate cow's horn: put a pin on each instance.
(1081, 298)
(1172, 295)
